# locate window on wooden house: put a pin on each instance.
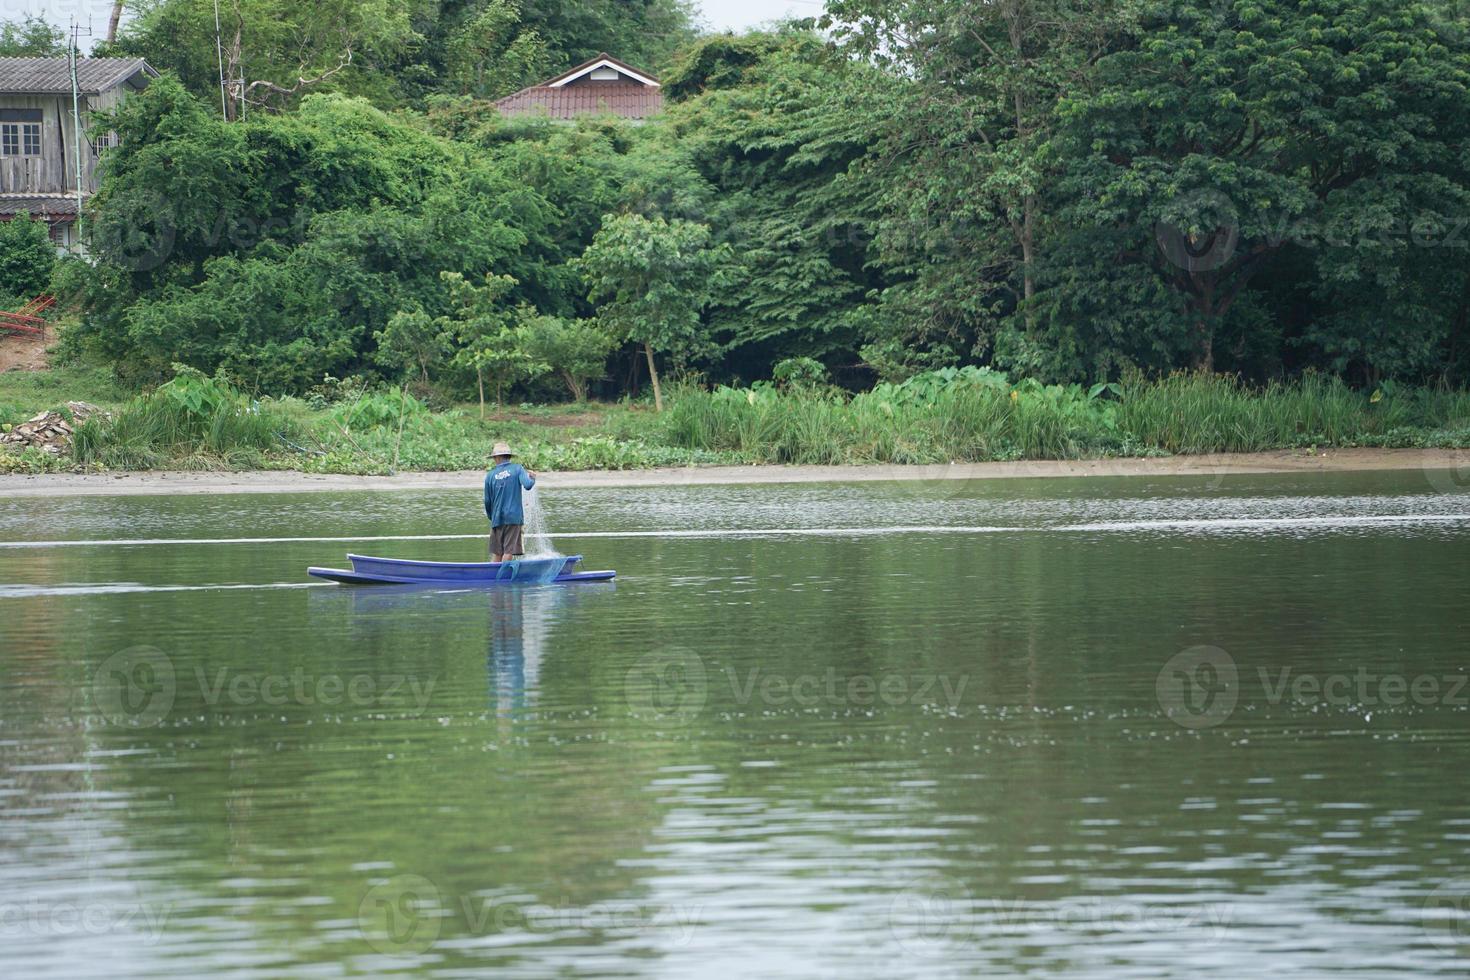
(20, 132)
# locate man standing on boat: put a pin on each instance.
(503, 486)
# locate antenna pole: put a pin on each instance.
(76, 118)
(219, 48)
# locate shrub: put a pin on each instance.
(27, 257)
(800, 373)
(193, 422)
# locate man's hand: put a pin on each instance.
(533, 474)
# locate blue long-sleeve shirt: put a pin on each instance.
(503, 486)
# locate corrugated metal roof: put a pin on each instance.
(628, 100)
(39, 205)
(52, 76)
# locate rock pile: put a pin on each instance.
(50, 432)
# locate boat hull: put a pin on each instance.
(368, 570)
(346, 577)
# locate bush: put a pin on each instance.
(27, 257)
(577, 350)
(193, 422)
(800, 373)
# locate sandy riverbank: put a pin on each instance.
(1214, 466)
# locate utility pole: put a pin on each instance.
(73, 54)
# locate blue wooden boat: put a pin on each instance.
(367, 570)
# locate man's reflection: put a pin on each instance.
(520, 619)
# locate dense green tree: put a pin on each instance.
(1226, 133)
(27, 257)
(641, 32)
(274, 52)
(493, 52)
(488, 334)
(962, 168)
(1063, 188)
(773, 122)
(651, 279)
(31, 37)
(413, 342)
(277, 247)
(271, 53)
(577, 350)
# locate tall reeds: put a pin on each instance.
(975, 418)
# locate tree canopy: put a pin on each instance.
(30, 37)
(1064, 189)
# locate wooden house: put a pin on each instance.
(38, 134)
(601, 86)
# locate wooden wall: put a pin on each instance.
(54, 171)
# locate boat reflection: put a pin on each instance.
(520, 622)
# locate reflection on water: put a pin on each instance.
(519, 623)
(1140, 750)
(517, 644)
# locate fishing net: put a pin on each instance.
(535, 538)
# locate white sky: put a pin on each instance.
(718, 15)
(736, 15)
(62, 13)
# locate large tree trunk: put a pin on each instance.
(1205, 357)
(114, 20)
(480, 376)
(233, 55)
(1459, 330)
(1028, 262)
(1204, 326)
(1015, 15)
(658, 395)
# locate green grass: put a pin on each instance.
(190, 423)
(25, 393)
(975, 421)
(972, 416)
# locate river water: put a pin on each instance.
(1106, 728)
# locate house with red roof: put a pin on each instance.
(602, 86)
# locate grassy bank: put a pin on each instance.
(976, 416)
(954, 416)
(196, 423)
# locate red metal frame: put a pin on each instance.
(28, 319)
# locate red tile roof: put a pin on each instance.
(634, 95)
(628, 100)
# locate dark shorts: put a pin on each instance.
(506, 540)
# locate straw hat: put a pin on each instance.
(501, 449)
